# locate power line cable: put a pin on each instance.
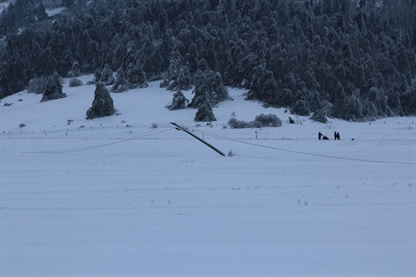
(306, 153)
(153, 132)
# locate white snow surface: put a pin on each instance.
(129, 195)
(55, 11)
(4, 6)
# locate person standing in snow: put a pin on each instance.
(319, 135)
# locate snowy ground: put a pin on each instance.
(100, 198)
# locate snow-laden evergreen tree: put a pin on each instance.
(202, 91)
(130, 78)
(378, 98)
(120, 82)
(340, 103)
(205, 113)
(19, 13)
(284, 98)
(179, 75)
(107, 76)
(75, 70)
(135, 76)
(301, 108)
(53, 88)
(179, 101)
(40, 12)
(355, 106)
(220, 91)
(102, 105)
(97, 76)
(264, 86)
(319, 116)
(282, 51)
(208, 87)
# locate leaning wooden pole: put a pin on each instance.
(198, 138)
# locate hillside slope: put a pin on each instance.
(109, 199)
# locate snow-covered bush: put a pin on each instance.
(238, 124)
(74, 82)
(37, 85)
(270, 120)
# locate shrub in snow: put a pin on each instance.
(74, 82)
(53, 88)
(270, 120)
(237, 124)
(179, 101)
(102, 104)
(37, 85)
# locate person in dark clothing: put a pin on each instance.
(325, 138)
(336, 136)
(319, 135)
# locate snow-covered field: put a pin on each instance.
(129, 195)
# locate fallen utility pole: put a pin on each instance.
(179, 128)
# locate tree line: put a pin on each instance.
(353, 60)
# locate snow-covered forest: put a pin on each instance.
(353, 60)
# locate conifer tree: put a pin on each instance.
(205, 113)
(179, 101)
(102, 104)
(107, 77)
(53, 88)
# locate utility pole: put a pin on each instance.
(179, 128)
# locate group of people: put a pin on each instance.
(336, 136)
